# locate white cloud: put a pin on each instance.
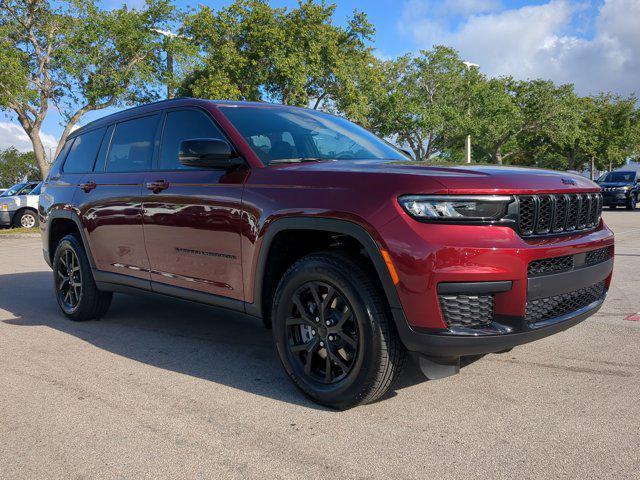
(11, 134)
(541, 41)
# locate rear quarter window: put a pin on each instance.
(83, 151)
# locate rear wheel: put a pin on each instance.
(76, 291)
(333, 332)
(26, 219)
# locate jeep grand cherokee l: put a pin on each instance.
(621, 188)
(355, 255)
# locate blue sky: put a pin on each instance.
(593, 44)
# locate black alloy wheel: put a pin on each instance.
(76, 292)
(322, 332)
(69, 280)
(333, 330)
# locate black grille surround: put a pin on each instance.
(557, 213)
(550, 265)
(466, 310)
(547, 266)
(547, 308)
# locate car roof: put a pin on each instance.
(163, 104)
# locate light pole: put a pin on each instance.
(168, 35)
(467, 142)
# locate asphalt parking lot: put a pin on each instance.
(169, 389)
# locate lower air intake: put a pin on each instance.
(466, 310)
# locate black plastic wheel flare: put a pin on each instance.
(322, 332)
(69, 280)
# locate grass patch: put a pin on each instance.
(13, 231)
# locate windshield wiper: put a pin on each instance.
(296, 160)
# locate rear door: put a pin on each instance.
(192, 216)
(111, 196)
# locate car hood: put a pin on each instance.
(614, 184)
(457, 179)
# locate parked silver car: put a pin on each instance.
(19, 205)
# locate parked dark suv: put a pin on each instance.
(353, 253)
(620, 188)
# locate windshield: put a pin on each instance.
(282, 134)
(13, 190)
(36, 191)
(620, 177)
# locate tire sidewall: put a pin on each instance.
(369, 341)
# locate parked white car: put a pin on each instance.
(19, 205)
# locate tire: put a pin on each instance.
(365, 353)
(633, 200)
(26, 218)
(72, 273)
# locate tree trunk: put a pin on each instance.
(498, 156)
(38, 150)
(593, 168)
(571, 160)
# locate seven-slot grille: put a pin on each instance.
(558, 213)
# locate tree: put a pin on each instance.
(495, 119)
(77, 57)
(424, 104)
(612, 128)
(16, 166)
(251, 51)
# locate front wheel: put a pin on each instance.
(333, 332)
(26, 219)
(76, 291)
(633, 200)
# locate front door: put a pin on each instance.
(192, 217)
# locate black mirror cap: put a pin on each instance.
(208, 153)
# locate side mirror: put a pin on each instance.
(208, 153)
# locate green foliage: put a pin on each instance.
(75, 56)
(15, 166)
(424, 101)
(78, 57)
(252, 51)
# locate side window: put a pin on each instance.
(132, 145)
(83, 152)
(183, 125)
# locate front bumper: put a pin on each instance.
(615, 198)
(451, 345)
(436, 261)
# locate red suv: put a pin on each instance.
(354, 254)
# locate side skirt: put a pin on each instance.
(114, 282)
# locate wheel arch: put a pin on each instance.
(328, 225)
(59, 223)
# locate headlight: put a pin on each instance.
(478, 208)
(626, 188)
(5, 207)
